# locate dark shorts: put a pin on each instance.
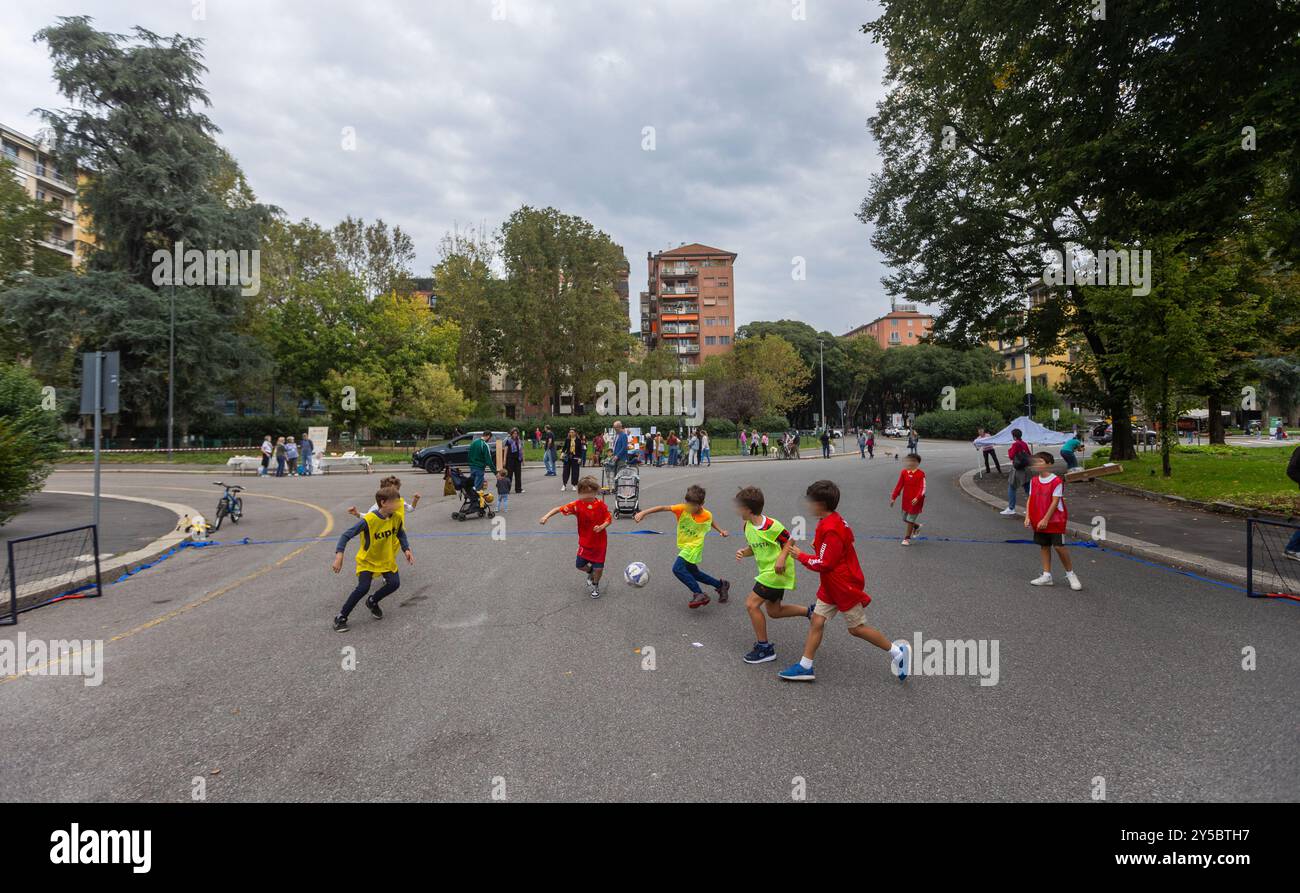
(770, 593)
(1048, 539)
(583, 563)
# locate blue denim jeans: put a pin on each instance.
(548, 460)
(672, 455)
(692, 576)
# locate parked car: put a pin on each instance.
(1108, 434)
(435, 459)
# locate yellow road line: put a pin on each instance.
(202, 600)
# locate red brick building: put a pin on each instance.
(901, 325)
(690, 302)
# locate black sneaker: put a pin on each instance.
(340, 624)
(595, 591)
(724, 589)
(375, 609)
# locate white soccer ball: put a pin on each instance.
(637, 574)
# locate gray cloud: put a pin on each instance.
(760, 121)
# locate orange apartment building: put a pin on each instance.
(901, 325)
(690, 302)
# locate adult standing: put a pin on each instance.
(871, 443)
(989, 451)
(291, 456)
(279, 457)
(598, 449)
(308, 448)
(620, 446)
(862, 444)
(826, 443)
(268, 449)
(480, 459)
(704, 448)
(913, 440)
(763, 451)
(744, 442)
(673, 447)
(1293, 472)
(693, 448)
(1018, 453)
(515, 459)
(573, 450)
(548, 451)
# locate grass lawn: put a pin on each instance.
(1247, 476)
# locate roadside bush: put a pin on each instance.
(958, 424)
(29, 439)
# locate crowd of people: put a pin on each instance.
(287, 456)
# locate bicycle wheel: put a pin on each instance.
(221, 514)
(236, 510)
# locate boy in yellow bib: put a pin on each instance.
(694, 522)
(382, 534)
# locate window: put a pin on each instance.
(894, 323)
(893, 338)
(722, 299)
(724, 320)
(710, 340)
(909, 323)
(724, 339)
(723, 283)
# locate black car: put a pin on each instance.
(434, 459)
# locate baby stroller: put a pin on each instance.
(627, 492)
(475, 503)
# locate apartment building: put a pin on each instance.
(689, 303)
(902, 325)
(1046, 371)
(40, 176)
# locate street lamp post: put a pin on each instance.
(821, 359)
(171, 369)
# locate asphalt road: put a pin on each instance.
(494, 672)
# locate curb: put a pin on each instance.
(1218, 506)
(1185, 560)
(36, 591)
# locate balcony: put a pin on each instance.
(41, 170)
(58, 244)
(686, 348)
(671, 309)
(679, 290)
(679, 270)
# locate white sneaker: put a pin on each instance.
(906, 543)
(1044, 580)
(563, 487)
(1074, 581)
(1294, 556)
(1007, 512)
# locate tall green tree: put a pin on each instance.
(1012, 129)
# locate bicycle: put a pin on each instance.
(229, 504)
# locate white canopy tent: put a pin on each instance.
(1031, 432)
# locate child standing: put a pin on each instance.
(381, 534)
(503, 490)
(1046, 516)
(911, 484)
(694, 522)
(593, 519)
(842, 586)
(770, 544)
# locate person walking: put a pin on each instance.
(548, 451)
(515, 459)
(862, 444)
(704, 448)
(620, 446)
(871, 443)
(598, 449)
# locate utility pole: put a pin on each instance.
(821, 355)
(171, 370)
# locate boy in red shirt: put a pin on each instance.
(1046, 516)
(911, 483)
(841, 590)
(593, 518)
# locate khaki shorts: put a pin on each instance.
(854, 617)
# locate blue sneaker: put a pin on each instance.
(761, 654)
(904, 665)
(796, 673)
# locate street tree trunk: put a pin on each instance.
(1215, 405)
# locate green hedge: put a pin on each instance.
(959, 424)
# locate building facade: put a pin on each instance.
(37, 173)
(902, 325)
(689, 303)
(1046, 371)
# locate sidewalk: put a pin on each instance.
(1201, 541)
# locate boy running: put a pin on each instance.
(842, 586)
(911, 484)
(771, 546)
(381, 533)
(694, 522)
(593, 518)
(1046, 516)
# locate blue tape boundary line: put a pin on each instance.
(246, 541)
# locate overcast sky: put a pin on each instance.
(465, 109)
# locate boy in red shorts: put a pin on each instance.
(911, 484)
(1046, 516)
(842, 586)
(593, 518)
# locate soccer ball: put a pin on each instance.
(637, 574)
